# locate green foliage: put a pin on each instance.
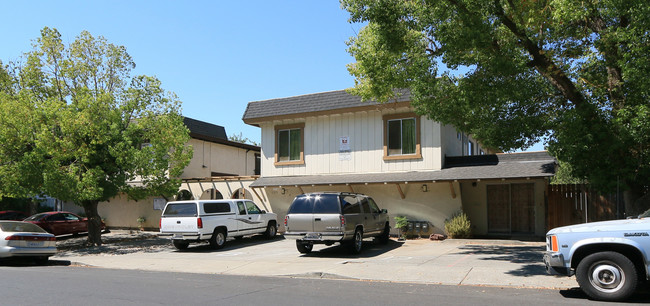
(402, 223)
(564, 175)
(77, 126)
(458, 226)
(241, 139)
(512, 73)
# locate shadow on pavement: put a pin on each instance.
(29, 262)
(125, 243)
(231, 244)
(370, 249)
(641, 296)
(530, 256)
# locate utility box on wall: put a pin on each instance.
(419, 228)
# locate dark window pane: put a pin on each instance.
(213, 208)
(301, 205)
(283, 145)
(394, 137)
(181, 210)
(408, 136)
(295, 144)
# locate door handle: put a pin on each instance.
(317, 219)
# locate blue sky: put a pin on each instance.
(215, 55)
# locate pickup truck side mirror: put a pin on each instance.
(263, 211)
(384, 211)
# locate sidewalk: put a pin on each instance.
(450, 262)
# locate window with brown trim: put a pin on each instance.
(402, 136)
(289, 144)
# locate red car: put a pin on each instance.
(13, 215)
(60, 222)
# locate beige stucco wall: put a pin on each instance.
(218, 158)
(120, 212)
(475, 204)
(434, 206)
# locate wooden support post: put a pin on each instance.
(453, 191)
(300, 187)
(401, 193)
(260, 198)
(350, 187)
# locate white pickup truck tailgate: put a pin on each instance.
(178, 224)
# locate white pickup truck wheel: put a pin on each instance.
(608, 276)
(218, 239)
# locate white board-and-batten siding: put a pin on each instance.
(364, 130)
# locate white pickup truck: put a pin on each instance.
(187, 222)
(609, 259)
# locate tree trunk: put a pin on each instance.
(94, 223)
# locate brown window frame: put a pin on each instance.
(278, 128)
(418, 148)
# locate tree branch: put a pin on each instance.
(544, 65)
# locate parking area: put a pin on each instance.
(451, 262)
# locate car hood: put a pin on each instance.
(604, 226)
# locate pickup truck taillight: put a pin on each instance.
(199, 223)
(286, 219)
(342, 220)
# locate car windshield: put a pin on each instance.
(16, 227)
(36, 217)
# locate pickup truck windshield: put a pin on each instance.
(180, 210)
(316, 204)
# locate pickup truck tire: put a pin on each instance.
(607, 276)
(304, 247)
(385, 235)
(357, 242)
(271, 230)
(181, 245)
(218, 239)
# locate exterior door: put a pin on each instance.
(523, 208)
(511, 208)
(498, 203)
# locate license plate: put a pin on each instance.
(178, 236)
(35, 244)
(313, 236)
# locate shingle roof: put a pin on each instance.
(318, 102)
(507, 166)
(214, 133)
(203, 129)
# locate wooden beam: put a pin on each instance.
(300, 187)
(260, 198)
(401, 193)
(350, 187)
(453, 191)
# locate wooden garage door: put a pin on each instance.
(523, 208)
(511, 208)
(498, 199)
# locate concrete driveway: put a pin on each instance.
(450, 262)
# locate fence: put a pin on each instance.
(573, 204)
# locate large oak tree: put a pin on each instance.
(78, 127)
(513, 72)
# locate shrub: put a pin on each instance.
(458, 226)
(402, 223)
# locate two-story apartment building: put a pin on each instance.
(219, 169)
(409, 164)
